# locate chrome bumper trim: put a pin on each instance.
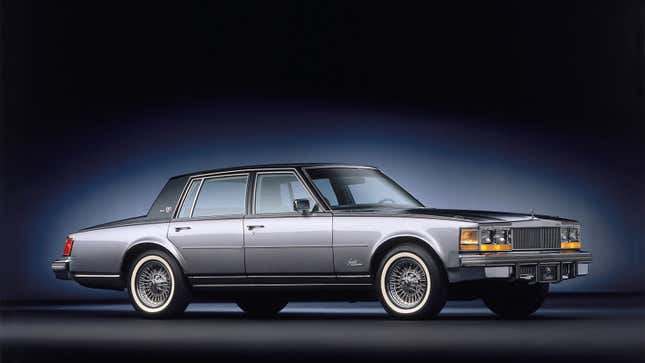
(511, 258)
(60, 268)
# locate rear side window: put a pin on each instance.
(221, 196)
(190, 199)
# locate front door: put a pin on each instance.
(209, 228)
(278, 240)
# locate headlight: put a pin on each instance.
(487, 236)
(570, 237)
(485, 239)
(497, 239)
(574, 234)
(501, 237)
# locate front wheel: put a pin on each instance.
(515, 300)
(412, 284)
(156, 285)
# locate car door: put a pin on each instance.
(278, 240)
(208, 229)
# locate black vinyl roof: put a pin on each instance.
(268, 166)
(162, 208)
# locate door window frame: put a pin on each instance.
(312, 195)
(202, 179)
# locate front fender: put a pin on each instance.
(441, 238)
(428, 240)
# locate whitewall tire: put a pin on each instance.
(156, 285)
(411, 284)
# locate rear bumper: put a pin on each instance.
(60, 268)
(534, 266)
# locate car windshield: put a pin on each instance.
(360, 188)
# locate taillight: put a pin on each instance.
(69, 242)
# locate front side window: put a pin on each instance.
(221, 196)
(356, 188)
(275, 193)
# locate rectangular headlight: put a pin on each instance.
(570, 237)
(485, 239)
(495, 238)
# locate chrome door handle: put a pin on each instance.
(254, 226)
(179, 229)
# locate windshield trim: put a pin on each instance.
(356, 207)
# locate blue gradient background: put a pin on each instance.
(115, 171)
(499, 105)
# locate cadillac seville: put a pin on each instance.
(262, 236)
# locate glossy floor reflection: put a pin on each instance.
(568, 328)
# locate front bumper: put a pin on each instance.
(536, 266)
(60, 268)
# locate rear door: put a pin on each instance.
(208, 229)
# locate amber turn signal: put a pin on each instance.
(468, 240)
(492, 247)
(468, 236)
(570, 245)
(469, 247)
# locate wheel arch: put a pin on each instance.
(382, 248)
(137, 248)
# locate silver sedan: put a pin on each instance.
(266, 235)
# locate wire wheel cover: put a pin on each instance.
(407, 283)
(153, 284)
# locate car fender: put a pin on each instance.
(427, 239)
(163, 243)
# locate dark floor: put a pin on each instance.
(567, 329)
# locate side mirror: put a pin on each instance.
(301, 205)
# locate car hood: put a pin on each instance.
(481, 216)
(476, 216)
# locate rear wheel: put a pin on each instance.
(261, 307)
(156, 285)
(515, 300)
(412, 285)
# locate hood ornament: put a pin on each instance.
(533, 214)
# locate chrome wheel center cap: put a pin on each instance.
(157, 282)
(410, 282)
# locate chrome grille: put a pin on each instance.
(533, 238)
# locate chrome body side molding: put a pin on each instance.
(280, 280)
